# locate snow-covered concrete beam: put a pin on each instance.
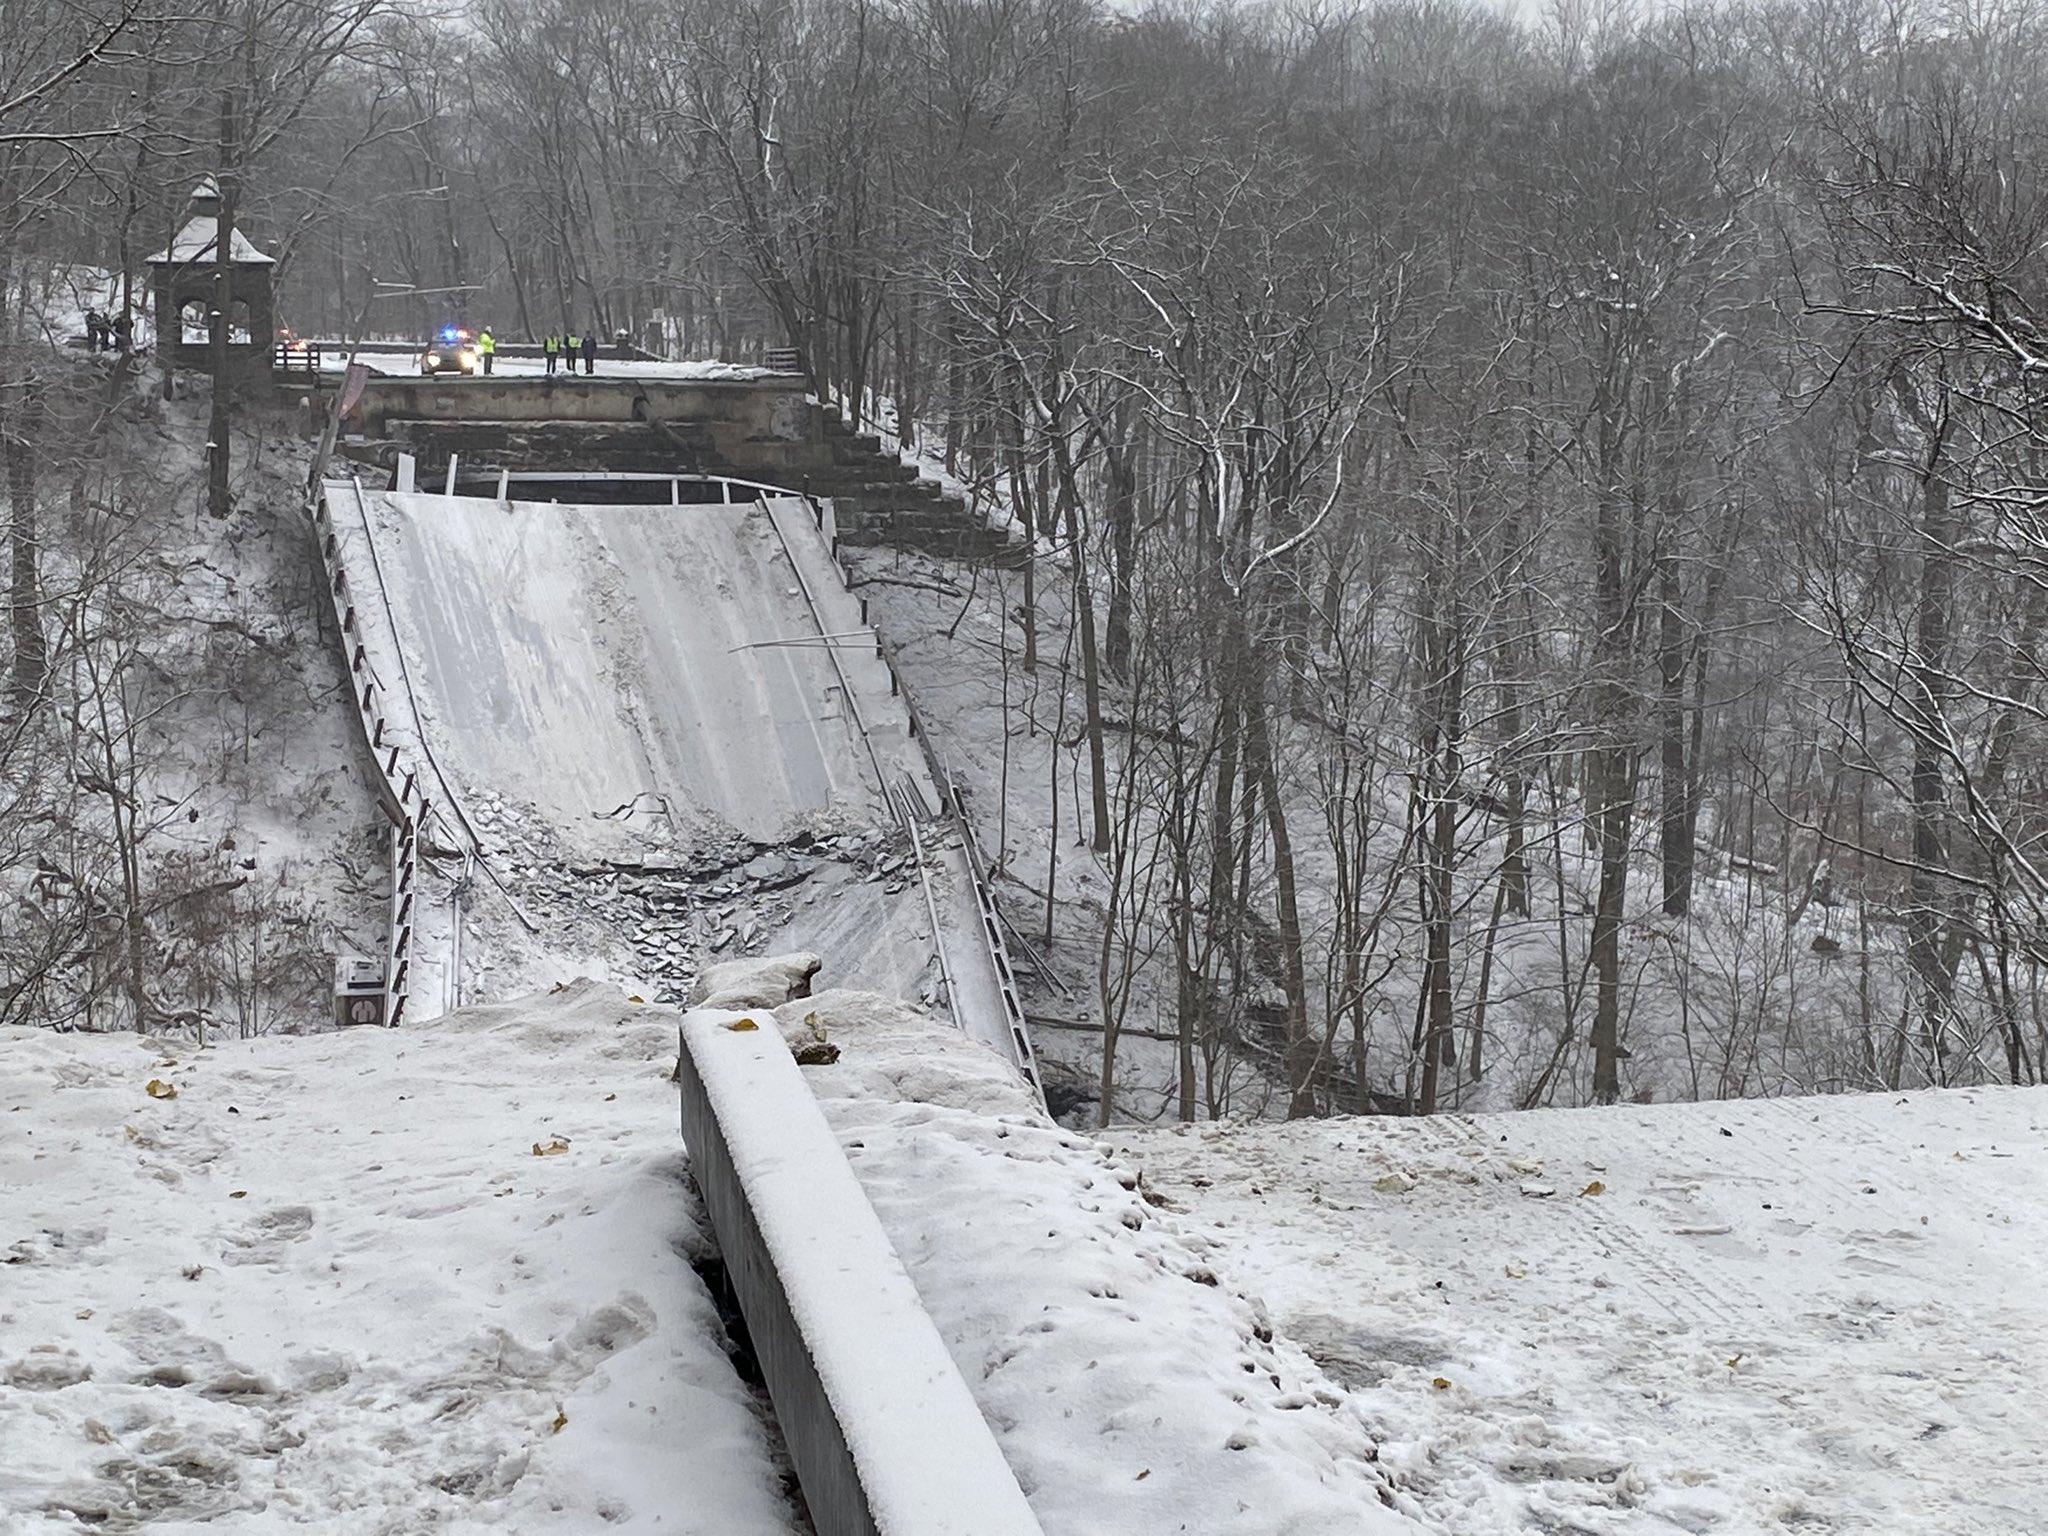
(884, 1435)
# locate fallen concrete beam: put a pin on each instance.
(884, 1435)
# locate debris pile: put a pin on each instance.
(727, 898)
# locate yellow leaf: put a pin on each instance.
(1594, 1188)
(555, 1146)
(1442, 1383)
(741, 1026)
(561, 1422)
(635, 997)
(159, 1089)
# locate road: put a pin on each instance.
(605, 663)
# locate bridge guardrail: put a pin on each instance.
(398, 786)
(989, 921)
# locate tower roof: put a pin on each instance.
(200, 236)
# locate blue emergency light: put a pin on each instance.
(448, 333)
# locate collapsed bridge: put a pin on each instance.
(572, 673)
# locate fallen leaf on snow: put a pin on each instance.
(554, 1146)
(238, 1194)
(159, 1089)
(741, 1026)
(609, 1097)
(1442, 1383)
(635, 997)
(1594, 1188)
(559, 1423)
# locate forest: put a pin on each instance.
(1532, 521)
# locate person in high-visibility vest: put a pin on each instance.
(487, 347)
(551, 349)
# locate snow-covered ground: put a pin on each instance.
(375, 1281)
(1820, 1315)
(1133, 1388)
(365, 1282)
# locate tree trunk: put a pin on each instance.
(221, 421)
(1675, 788)
(1123, 534)
(1613, 796)
(1263, 769)
(1610, 780)
(20, 429)
(1091, 668)
(1443, 685)
(1933, 972)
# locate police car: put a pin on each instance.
(451, 351)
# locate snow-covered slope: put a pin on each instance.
(367, 1282)
(1792, 1315)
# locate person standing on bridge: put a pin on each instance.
(590, 352)
(551, 349)
(569, 346)
(487, 348)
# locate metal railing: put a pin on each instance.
(295, 360)
(989, 924)
(398, 786)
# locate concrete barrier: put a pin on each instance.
(767, 409)
(884, 1435)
